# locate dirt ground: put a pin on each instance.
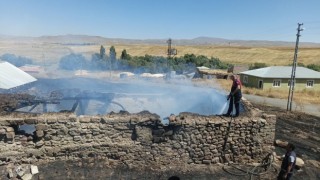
(303, 131)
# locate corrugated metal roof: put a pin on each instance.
(283, 72)
(11, 76)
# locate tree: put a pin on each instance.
(16, 60)
(100, 60)
(112, 56)
(124, 55)
(97, 62)
(102, 52)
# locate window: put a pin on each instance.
(290, 82)
(260, 84)
(276, 83)
(310, 83)
(245, 79)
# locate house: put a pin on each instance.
(278, 77)
(30, 68)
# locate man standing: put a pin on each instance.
(288, 163)
(234, 96)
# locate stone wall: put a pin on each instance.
(137, 139)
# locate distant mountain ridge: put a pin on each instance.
(86, 39)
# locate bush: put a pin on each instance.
(257, 66)
(73, 62)
(314, 67)
(157, 64)
(16, 60)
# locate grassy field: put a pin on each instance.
(51, 53)
(236, 55)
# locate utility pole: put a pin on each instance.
(293, 72)
(171, 51)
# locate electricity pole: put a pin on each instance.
(171, 51)
(293, 72)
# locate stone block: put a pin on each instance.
(56, 126)
(120, 127)
(85, 119)
(47, 143)
(41, 127)
(52, 151)
(280, 143)
(20, 172)
(5, 123)
(299, 162)
(73, 119)
(39, 133)
(10, 136)
(10, 173)
(16, 122)
(176, 146)
(62, 121)
(9, 129)
(212, 147)
(27, 176)
(206, 161)
(216, 160)
(52, 120)
(170, 133)
(74, 132)
(39, 144)
(158, 132)
(2, 131)
(62, 131)
(34, 169)
(30, 121)
(95, 119)
(77, 138)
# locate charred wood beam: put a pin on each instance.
(34, 106)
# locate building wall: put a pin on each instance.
(268, 83)
(137, 139)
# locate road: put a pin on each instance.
(313, 109)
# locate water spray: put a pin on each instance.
(224, 107)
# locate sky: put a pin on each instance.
(274, 20)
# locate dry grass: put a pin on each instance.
(299, 97)
(236, 55)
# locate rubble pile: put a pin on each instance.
(24, 171)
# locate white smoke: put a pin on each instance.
(160, 97)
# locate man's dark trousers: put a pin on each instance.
(236, 101)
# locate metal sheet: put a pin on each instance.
(11, 76)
